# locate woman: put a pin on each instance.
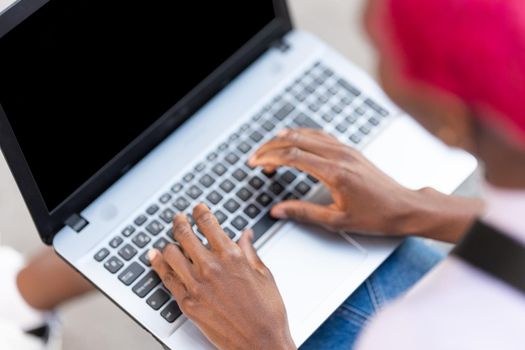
(457, 66)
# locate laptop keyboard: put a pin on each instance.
(239, 196)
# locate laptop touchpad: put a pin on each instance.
(309, 264)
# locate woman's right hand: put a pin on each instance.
(365, 199)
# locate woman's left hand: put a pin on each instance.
(226, 290)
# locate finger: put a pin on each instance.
(173, 256)
(302, 140)
(167, 275)
(246, 245)
(183, 233)
(307, 162)
(308, 212)
(320, 134)
(210, 228)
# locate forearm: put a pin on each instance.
(441, 217)
(47, 281)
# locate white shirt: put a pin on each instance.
(456, 306)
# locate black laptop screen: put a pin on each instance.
(81, 79)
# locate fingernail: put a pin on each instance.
(152, 254)
(251, 160)
(278, 213)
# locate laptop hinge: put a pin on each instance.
(281, 45)
(76, 222)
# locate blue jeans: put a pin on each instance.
(411, 261)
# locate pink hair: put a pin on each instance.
(474, 49)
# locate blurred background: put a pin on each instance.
(94, 322)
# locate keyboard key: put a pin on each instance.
(101, 254)
(212, 156)
(342, 127)
(374, 121)
(165, 198)
(200, 167)
(239, 223)
(214, 197)
(383, 112)
(263, 225)
(207, 181)
(115, 242)
(140, 220)
(152, 209)
(131, 273)
(128, 231)
(268, 125)
(244, 147)
(365, 129)
(239, 174)
(284, 111)
(221, 217)
(276, 188)
(194, 192)
(141, 239)
(233, 137)
(303, 188)
(146, 284)
(232, 158)
(268, 175)
(305, 121)
(337, 109)
(229, 233)
(160, 244)
(144, 258)
(351, 119)
(167, 215)
(355, 138)
(231, 205)
(219, 169)
(227, 186)
(181, 203)
(244, 194)
(171, 312)
(154, 227)
(288, 177)
(188, 177)
(312, 179)
(127, 252)
(348, 87)
(328, 117)
(256, 182)
(252, 211)
(177, 188)
(290, 196)
(256, 136)
(264, 199)
(113, 264)
(157, 299)
(360, 111)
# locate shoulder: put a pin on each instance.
(453, 307)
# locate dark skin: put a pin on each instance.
(356, 201)
(229, 293)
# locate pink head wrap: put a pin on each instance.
(474, 49)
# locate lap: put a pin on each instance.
(407, 264)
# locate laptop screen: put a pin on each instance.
(80, 80)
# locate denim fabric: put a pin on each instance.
(411, 261)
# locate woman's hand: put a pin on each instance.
(226, 290)
(365, 199)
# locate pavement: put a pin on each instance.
(93, 322)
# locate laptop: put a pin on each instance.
(116, 115)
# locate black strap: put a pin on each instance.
(496, 254)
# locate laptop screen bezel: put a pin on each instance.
(48, 223)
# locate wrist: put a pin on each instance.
(434, 215)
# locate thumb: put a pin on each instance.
(308, 212)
